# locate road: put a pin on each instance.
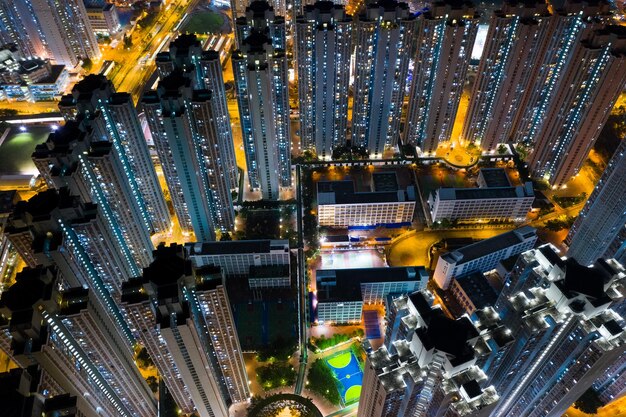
(413, 248)
(131, 75)
(302, 290)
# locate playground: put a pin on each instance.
(346, 370)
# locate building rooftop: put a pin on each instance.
(494, 177)
(8, 199)
(31, 285)
(40, 206)
(447, 335)
(487, 246)
(478, 289)
(584, 280)
(345, 284)
(343, 192)
(485, 193)
(236, 246)
(168, 266)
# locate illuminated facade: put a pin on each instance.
(74, 341)
(77, 157)
(262, 94)
(384, 43)
(585, 94)
(514, 48)
(481, 204)
(193, 338)
(54, 227)
(183, 121)
(445, 38)
(324, 46)
(123, 129)
(237, 257)
(430, 367)
(341, 293)
(56, 230)
(186, 51)
(566, 330)
(21, 33)
(598, 230)
(567, 27)
(483, 256)
(55, 29)
(260, 15)
(340, 205)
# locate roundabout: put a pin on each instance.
(288, 405)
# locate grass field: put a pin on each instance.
(340, 361)
(16, 151)
(205, 22)
(348, 373)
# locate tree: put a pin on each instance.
(143, 359)
(87, 64)
(589, 402)
(322, 381)
(502, 149)
(128, 41)
(276, 375)
(226, 237)
(153, 383)
(8, 112)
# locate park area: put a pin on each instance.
(206, 22)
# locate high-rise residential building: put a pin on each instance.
(8, 199)
(515, 46)
(385, 37)
(186, 51)
(564, 319)
(75, 341)
(586, 91)
(429, 367)
(611, 384)
(14, 30)
(22, 397)
(323, 49)
(568, 25)
(603, 218)
(55, 228)
(239, 7)
(191, 332)
(446, 35)
(484, 255)
(261, 15)
(183, 124)
(55, 29)
(263, 96)
(96, 94)
(79, 156)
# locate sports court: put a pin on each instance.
(348, 373)
(372, 325)
(368, 258)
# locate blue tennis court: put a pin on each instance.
(348, 373)
(372, 326)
